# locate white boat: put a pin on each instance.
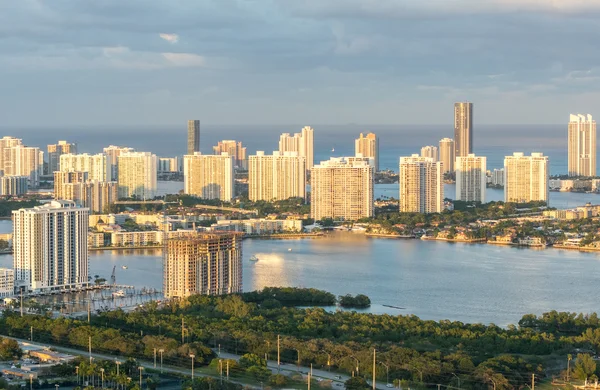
(289, 249)
(124, 267)
(119, 293)
(333, 149)
(254, 258)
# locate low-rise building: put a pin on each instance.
(46, 355)
(259, 226)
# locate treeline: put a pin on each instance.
(444, 352)
(8, 205)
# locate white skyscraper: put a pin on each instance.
(54, 153)
(5, 143)
(447, 154)
(97, 166)
(526, 178)
(209, 176)
(431, 152)
(471, 178)
(278, 176)
(50, 246)
(302, 142)
(343, 189)
(368, 146)
(13, 185)
(27, 161)
(112, 154)
(137, 175)
(421, 185)
(582, 145)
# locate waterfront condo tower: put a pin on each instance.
(431, 152)
(471, 178)
(582, 146)
(526, 178)
(97, 166)
(421, 185)
(209, 176)
(137, 175)
(368, 146)
(302, 143)
(50, 246)
(201, 263)
(342, 188)
(235, 149)
(447, 153)
(23, 160)
(193, 136)
(54, 153)
(279, 176)
(463, 129)
(112, 155)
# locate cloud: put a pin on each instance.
(171, 38)
(184, 59)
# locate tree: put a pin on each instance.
(9, 349)
(251, 360)
(278, 380)
(356, 383)
(259, 373)
(585, 366)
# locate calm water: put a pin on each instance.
(470, 283)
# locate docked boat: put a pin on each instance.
(254, 258)
(124, 267)
(118, 294)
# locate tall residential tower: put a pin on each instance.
(54, 153)
(368, 146)
(463, 128)
(526, 178)
(421, 185)
(193, 136)
(582, 145)
(209, 176)
(447, 154)
(471, 178)
(302, 142)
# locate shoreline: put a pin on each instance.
(459, 240)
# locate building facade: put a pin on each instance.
(64, 184)
(463, 129)
(50, 246)
(193, 136)
(342, 189)
(13, 185)
(209, 176)
(5, 143)
(209, 264)
(54, 153)
(7, 282)
(278, 176)
(302, 143)
(168, 164)
(447, 154)
(471, 180)
(582, 146)
(234, 149)
(368, 146)
(97, 166)
(526, 178)
(421, 185)
(137, 175)
(430, 152)
(497, 177)
(23, 160)
(112, 153)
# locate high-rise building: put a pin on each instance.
(50, 246)
(276, 177)
(431, 152)
(7, 282)
(526, 178)
(5, 143)
(13, 185)
(193, 138)
(368, 146)
(208, 264)
(498, 177)
(447, 154)
(342, 189)
(421, 185)
(64, 185)
(209, 176)
(27, 161)
(302, 142)
(471, 178)
(137, 175)
(54, 153)
(168, 164)
(234, 149)
(582, 146)
(112, 155)
(99, 195)
(463, 129)
(97, 166)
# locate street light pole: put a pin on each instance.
(374, 363)
(569, 357)
(298, 359)
(278, 361)
(161, 359)
(102, 373)
(192, 356)
(118, 363)
(387, 371)
(140, 368)
(77, 373)
(154, 357)
(356, 364)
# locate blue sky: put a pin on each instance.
(148, 62)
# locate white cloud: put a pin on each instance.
(171, 38)
(184, 59)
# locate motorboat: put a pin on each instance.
(254, 258)
(124, 267)
(119, 294)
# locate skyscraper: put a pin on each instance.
(193, 138)
(112, 155)
(368, 146)
(421, 185)
(23, 160)
(431, 152)
(447, 154)
(209, 176)
(97, 165)
(471, 178)
(206, 264)
(278, 176)
(50, 246)
(582, 145)
(526, 178)
(13, 185)
(302, 142)
(343, 189)
(64, 182)
(5, 143)
(54, 153)
(137, 175)
(463, 128)
(234, 149)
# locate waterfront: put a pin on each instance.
(433, 280)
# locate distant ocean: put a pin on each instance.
(492, 141)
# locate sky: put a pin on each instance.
(69, 63)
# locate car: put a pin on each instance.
(338, 377)
(339, 384)
(389, 385)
